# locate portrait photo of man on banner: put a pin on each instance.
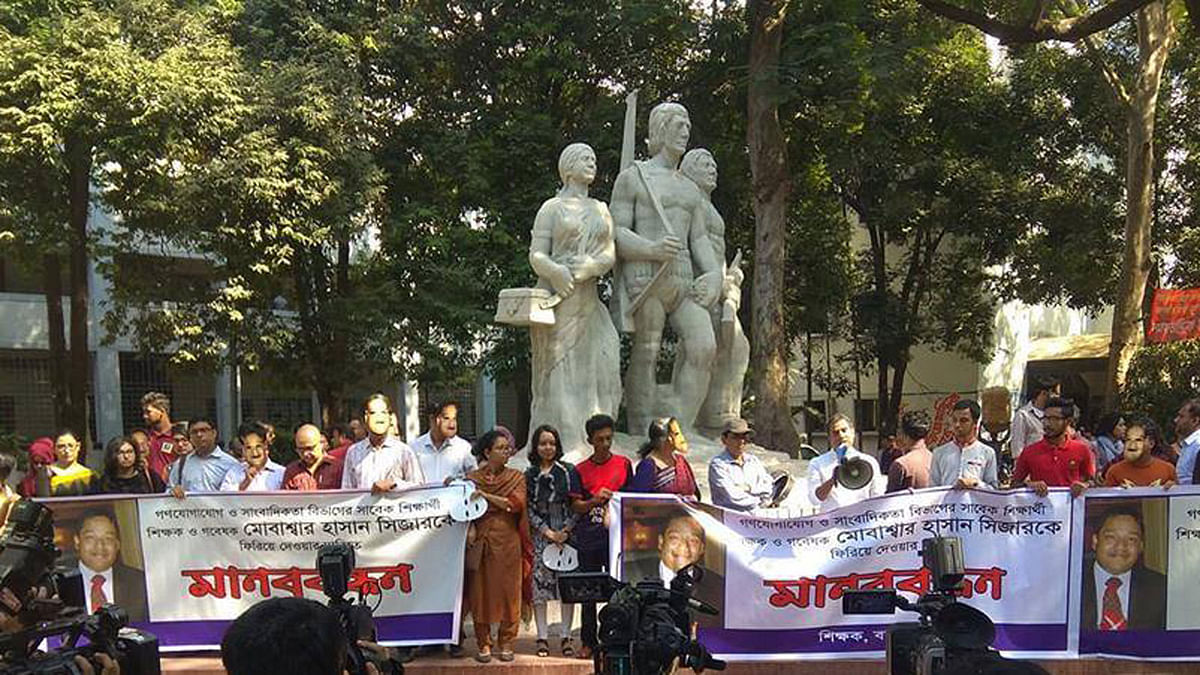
(662, 537)
(102, 540)
(1124, 575)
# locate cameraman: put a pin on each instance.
(290, 636)
(9, 623)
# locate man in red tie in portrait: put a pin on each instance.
(106, 581)
(1119, 592)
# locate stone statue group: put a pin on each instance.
(665, 243)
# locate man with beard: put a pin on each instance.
(256, 472)
(156, 413)
(315, 469)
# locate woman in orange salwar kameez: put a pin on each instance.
(495, 586)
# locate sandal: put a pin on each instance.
(484, 655)
(543, 648)
(507, 655)
(567, 649)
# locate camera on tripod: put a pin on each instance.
(949, 637)
(644, 629)
(335, 564)
(51, 606)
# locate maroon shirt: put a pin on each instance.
(339, 453)
(328, 475)
(161, 452)
(1055, 465)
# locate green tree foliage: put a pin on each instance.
(93, 94)
(917, 136)
(1161, 377)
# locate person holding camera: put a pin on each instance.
(294, 636)
(498, 548)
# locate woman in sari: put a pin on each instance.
(498, 548)
(576, 360)
(664, 468)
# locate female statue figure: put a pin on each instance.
(576, 360)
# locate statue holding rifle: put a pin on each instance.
(667, 271)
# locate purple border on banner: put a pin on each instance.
(1141, 643)
(432, 627)
(1011, 637)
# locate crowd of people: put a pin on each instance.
(553, 503)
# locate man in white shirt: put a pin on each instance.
(821, 483)
(1027, 421)
(256, 472)
(1187, 430)
(965, 462)
(379, 461)
(442, 454)
(106, 581)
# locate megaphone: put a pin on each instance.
(854, 473)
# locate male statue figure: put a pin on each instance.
(658, 214)
(724, 401)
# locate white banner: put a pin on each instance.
(185, 568)
(779, 582)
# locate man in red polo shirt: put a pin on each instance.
(156, 413)
(1057, 460)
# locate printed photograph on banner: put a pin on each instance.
(1183, 593)
(101, 539)
(1125, 566)
(662, 537)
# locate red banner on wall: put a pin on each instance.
(1174, 315)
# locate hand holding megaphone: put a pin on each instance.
(854, 472)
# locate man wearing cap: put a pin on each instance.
(736, 478)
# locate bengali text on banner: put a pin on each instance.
(185, 568)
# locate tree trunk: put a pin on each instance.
(52, 275)
(889, 408)
(79, 163)
(772, 187)
(1154, 42)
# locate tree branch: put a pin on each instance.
(1115, 85)
(1038, 29)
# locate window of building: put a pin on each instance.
(866, 412)
(814, 415)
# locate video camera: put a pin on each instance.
(335, 564)
(949, 637)
(643, 628)
(52, 607)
